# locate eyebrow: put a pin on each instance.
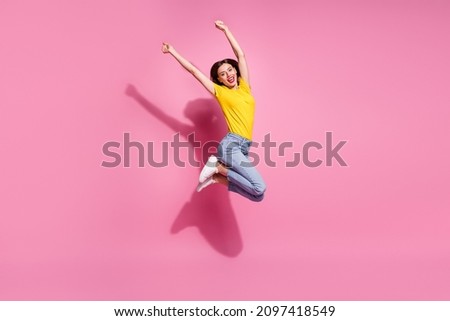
(224, 70)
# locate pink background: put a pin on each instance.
(375, 74)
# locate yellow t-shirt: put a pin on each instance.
(238, 107)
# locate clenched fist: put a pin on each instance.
(220, 25)
(166, 47)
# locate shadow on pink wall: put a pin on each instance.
(211, 210)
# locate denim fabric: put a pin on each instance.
(243, 178)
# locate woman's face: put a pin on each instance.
(227, 75)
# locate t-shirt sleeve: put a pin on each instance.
(218, 90)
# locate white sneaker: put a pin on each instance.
(209, 169)
(209, 181)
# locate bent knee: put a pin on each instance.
(258, 192)
(257, 198)
(259, 189)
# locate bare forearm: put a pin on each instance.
(234, 44)
(183, 61)
(205, 81)
(237, 50)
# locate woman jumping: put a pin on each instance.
(230, 84)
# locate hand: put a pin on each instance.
(166, 48)
(220, 25)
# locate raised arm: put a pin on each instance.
(205, 81)
(236, 49)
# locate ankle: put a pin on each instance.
(218, 178)
(222, 170)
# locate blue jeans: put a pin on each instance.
(243, 178)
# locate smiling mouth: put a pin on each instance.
(230, 79)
